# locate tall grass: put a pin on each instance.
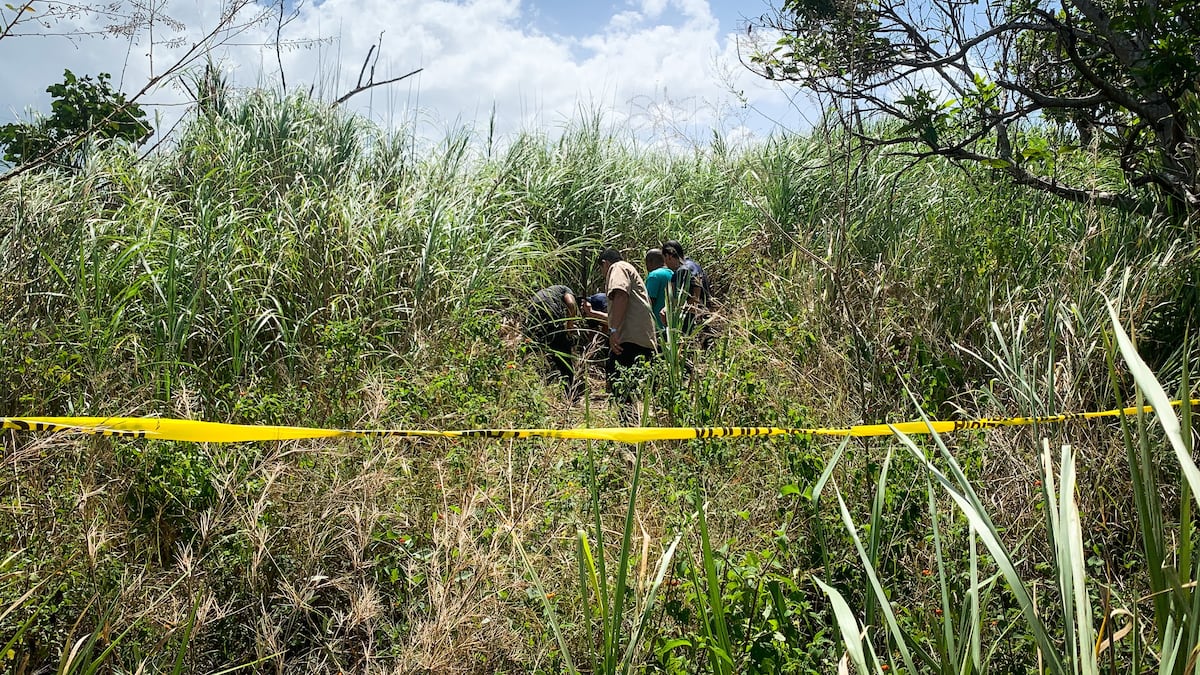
(1066, 635)
(286, 263)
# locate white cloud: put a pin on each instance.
(662, 59)
(626, 21)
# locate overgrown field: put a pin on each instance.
(284, 264)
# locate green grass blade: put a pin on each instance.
(1069, 540)
(1161, 403)
(991, 539)
(602, 585)
(563, 646)
(1148, 502)
(251, 664)
(875, 535)
(1055, 517)
(819, 486)
(188, 627)
(1187, 529)
(588, 584)
(663, 566)
(702, 609)
(974, 614)
(815, 496)
(848, 626)
(900, 639)
(1172, 641)
(716, 608)
(616, 625)
(20, 632)
(949, 647)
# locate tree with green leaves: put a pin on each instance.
(32, 19)
(82, 110)
(1096, 101)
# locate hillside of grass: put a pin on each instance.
(284, 263)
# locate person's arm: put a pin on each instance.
(593, 313)
(618, 303)
(572, 310)
(697, 287)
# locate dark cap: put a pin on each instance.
(598, 301)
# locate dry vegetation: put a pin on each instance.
(287, 265)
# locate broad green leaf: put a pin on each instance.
(1159, 400)
(829, 467)
(848, 626)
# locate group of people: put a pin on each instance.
(635, 312)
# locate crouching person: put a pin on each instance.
(551, 325)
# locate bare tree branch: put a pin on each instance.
(360, 86)
(369, 85)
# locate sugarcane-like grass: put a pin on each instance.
(284, 263)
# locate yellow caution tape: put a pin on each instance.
(216, 432)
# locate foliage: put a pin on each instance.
(231, 18)
(81, 110)
(604, 606)
(1066, 635)
(968, 81)
(289, 264)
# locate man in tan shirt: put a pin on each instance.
(631, 333)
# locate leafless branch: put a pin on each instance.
(18, 14)
(369, 85)
(360, 86)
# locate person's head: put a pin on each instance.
(672, 254)
(654, 259)
(607, 257)
(598, 301)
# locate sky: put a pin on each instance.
(665, 70)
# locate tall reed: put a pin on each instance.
(1067, 639)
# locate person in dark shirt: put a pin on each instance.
(688, 273)
(552, 316)
(689, 289)
(598, 301)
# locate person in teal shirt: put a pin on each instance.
(658, 284)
